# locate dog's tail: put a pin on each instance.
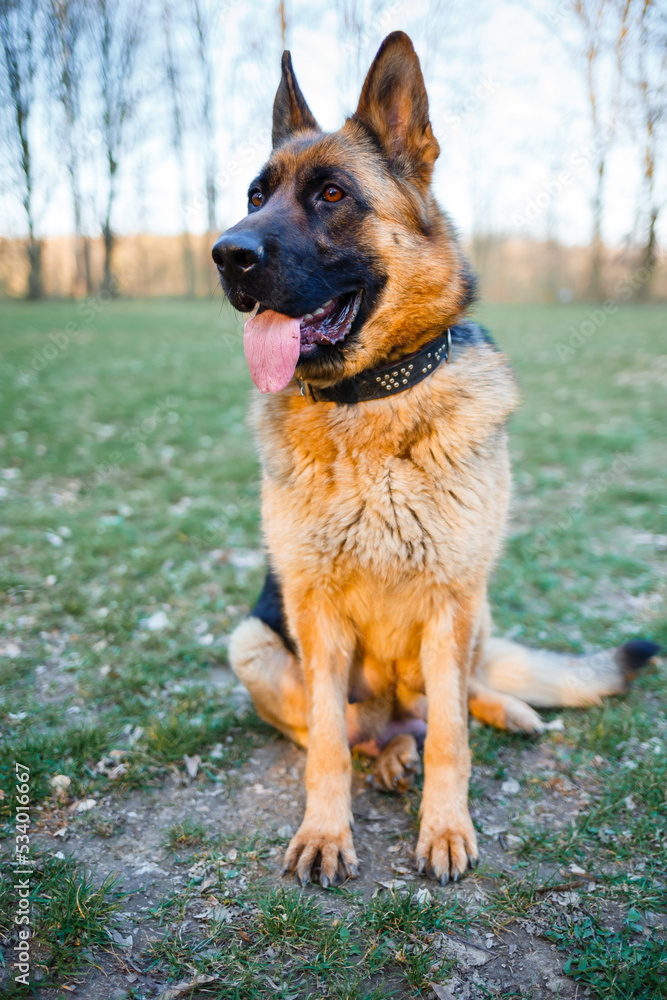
(559, 680)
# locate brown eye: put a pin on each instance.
(256, 199)
(332, 193)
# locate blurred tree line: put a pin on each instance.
(80, 79)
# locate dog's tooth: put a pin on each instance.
(319, 311)
(327, 304)
(308, 316)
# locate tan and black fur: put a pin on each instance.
(382, 520)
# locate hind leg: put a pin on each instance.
(503, 711)
(273, 676)
(398, 762)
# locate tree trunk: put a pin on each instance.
(85, 240)
(188, 266)
(648, 260)
(35, 287)
(80, 282)
(595, 280)
(108, 281)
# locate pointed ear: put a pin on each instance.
(290, 112)
(394, 107)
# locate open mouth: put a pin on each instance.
(275, 343)
(329, 323)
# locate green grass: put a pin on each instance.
(283, 936)
(130, 497)
(613, 964)
(71, 915)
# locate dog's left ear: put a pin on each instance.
(394, 106)
(290, 112)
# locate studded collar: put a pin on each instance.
(388, 380)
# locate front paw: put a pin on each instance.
(330, 851)
(447, 847)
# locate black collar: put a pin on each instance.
(378, 383)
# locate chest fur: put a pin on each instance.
(387, 489)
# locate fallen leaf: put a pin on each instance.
(155, 622)
(149, 868)
(441, 992)
(60, 783)
(85, 805)
(192, 764)
(124, 942)
(494, 829)
(423, 895)
(180, 989)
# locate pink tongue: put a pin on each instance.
(272, 343)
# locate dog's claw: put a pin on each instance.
(324, 881)
(421, 866)
(456, 876)
(444, 878)
(354, 871)
(472, 861)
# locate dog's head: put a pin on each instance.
(344, 252)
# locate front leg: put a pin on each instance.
(447, 841)
(326, 644)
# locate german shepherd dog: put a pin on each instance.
(381, 430)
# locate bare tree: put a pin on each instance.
(648, 77)
(174, 80)
(115, 38)
(282, 17)
(203, 20)
(20, 27)
(603, 25)
(65, 35)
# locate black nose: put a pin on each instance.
(238, 252)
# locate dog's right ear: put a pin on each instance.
(290, 112)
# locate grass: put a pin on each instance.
(283, 937)
(129, 542)
(72, 914)
(613, 964)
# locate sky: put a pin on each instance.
(507, 101)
